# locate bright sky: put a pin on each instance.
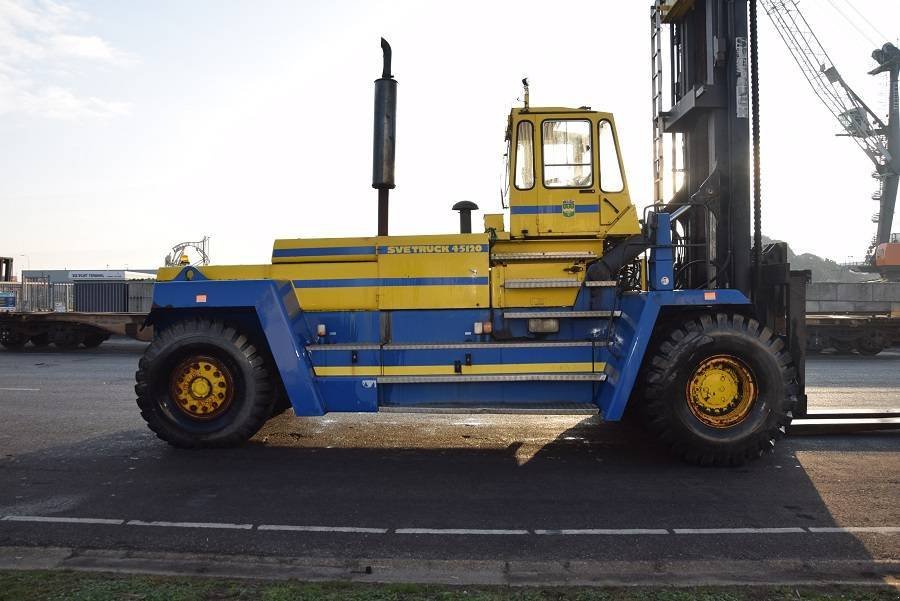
(130, 126)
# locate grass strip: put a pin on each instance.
(93, 586)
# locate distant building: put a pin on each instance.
(63, 276)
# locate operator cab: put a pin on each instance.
(565, 175)
(887, 258)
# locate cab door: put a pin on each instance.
(617, 214)
(523, 199)
(567, 194)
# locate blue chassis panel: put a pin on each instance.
(289, 330)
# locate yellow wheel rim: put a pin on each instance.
(202, 387)
(721, 391)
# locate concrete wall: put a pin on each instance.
(866, 297)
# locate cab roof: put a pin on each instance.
(551, 109)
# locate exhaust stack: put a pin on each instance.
(384, 143)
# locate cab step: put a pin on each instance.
(559, 314)
(556, 283)
(521, 409)
(472, 378)
(542, 283)
(543, 256)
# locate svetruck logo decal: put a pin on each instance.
(568, 208)
(418, 249)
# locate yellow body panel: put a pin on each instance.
(533, 297)
(379, 282)
(351, 370)
(494, 221)
(309, 247)
(539, 268)
(334, 298)
(461, 259)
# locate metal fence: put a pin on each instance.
(140, 297)
(101, 297)
(39, 295)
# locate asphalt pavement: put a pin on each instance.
(79, 470)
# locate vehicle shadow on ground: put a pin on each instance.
(412, 473)
(114, 346)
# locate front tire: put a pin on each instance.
(202, 383)
(718, 390)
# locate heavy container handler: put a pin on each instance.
(572, 300)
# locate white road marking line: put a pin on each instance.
(213, 525)
(456, 531)
(322, 529)
(738, 530)
(61, 520)
(850, 529)
(611, 531)
(21, 389)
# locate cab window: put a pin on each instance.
(567, 153)
(611, 179)
(525, 156)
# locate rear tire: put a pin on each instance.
(203, 384)
(718, 390)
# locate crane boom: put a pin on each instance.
(863, 125)
(880, 141)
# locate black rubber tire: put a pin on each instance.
(281, 404)
(94, 340)
(254, 393)
(871, 344)
(842, 347)
(674, 357)
(41, 340)
(13, 340)
(67, 338)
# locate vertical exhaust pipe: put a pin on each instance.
(384, 143)
(465, 208)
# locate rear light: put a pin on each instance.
(543, 326)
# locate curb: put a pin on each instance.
(460, 572)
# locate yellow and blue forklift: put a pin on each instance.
(571, 301)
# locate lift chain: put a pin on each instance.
(757, 192)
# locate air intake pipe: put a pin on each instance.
(384, 140)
